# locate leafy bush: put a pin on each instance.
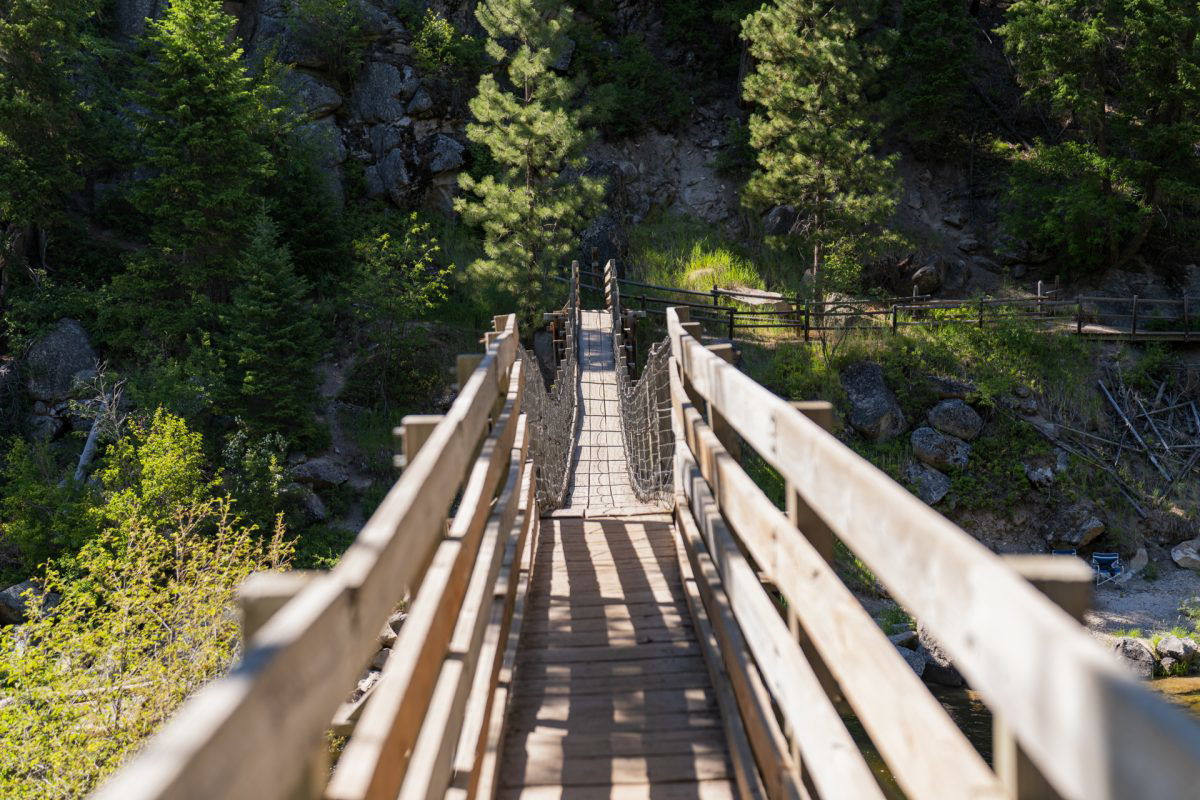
(632, 88)
(928, 76)
(736, 159)
(441, 51)
(336, 30)
(144, 619)
(683, 252)
(38, 516)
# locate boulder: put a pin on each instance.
(43, 427)
(58, 359)
(915, 659)
(954, 219)
(1136, 657)
(130, 16)
(563, 62)
(956, 276)
(1182, 650)
(442, 153)
(956, 418)
(931, 485)
(381, 93)
(968, 244)
(1077, 525)
(421, 105)
(927, 279)
(314, 507)
(949, 389)
(606, 236)
(907, 640)
(938, 666)
(381, 658)
(1187, 554)
(384, 138)
(874, 410)
(311, 95)
(939, 450)
(15, 604)
(321, 473)
(987, 264)
(390, 177)
(1018, 271)
(779, 220)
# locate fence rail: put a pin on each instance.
(1070, 723)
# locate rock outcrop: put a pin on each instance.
(930, 484)
(956, 418)
(874, 410)
(939, 450)
(1187, 554)
(1135, 656)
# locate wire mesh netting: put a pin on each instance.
(551, 417)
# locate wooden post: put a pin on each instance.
(414, 431)
(895, 318)
(1133, 322)
(1039, 298)
(1078, 315)
(1068, 582)
(731, 312)
(1187, 327)
(715, 296)
(683, 313)
(981, 312)
(259, 597)
(695, 329)
(725, 433)
(465, 365)
(807, 323)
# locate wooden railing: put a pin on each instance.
(1069, 722)
(433, 720)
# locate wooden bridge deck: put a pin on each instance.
(612, 697)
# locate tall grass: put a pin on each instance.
(685, 253)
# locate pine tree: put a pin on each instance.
(815, 130)
(1121, 76)
(928, 77)
(270, 342)
(203, 123)
(530, 211)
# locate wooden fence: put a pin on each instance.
(1070, 723)
(433, 722)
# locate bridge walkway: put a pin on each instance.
(612, 697)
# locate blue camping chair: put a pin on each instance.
(1108, 567)
(1070, 551)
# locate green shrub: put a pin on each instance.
(632, 88)
(929, 73)
(736, 159)
(334, 29)
(440, 51)
(40, 516)
(683, 252)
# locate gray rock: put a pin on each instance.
(131, 15)
(957, 419)
(325, 137)
(1136, 657)
(874, 410)
(913, 199)
(1018, 271)
(378, 95)
(443, 153)
(954, 220)
(968, 244)
(956, 276)
(779, 220)
(1182, 650)
(949, 389)
(381, 658)
(314, 507)
(1076, 525)
(15, 605)
(421, 104)
(915, 658)
(312, 95)
(394, 179)
(44, 427)
(907, 639)
(1187, 554)
(987, 264)
(606, 236)
(563, 62)
(930, 484)
(1167, 664)
(321, 472)
(58, 359)
(384, 139)
(939, 668)
(927, 279)
(940, 450)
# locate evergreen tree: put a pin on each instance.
(815, 130)
(530, 211)
(270, 343)
(203, 124)
(1123, 77)
(928, 77)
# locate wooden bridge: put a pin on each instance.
(653, 634)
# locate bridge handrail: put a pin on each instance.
(1085, 725)
(256, 731)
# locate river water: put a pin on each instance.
(967, 710)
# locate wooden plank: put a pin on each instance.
(681, 790)
(618, 626)
(472, 742)
(605, 770)
(620, 721)
(837, 768)
(607, 684)
(983, 613)
(593, 655)
(667, 698)
(926, 751)
(429, 770)
(297, 668)
(565, 612)
(776, 768)
(625, 743)
(374, 761)
(656, 634)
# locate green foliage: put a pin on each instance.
(47, 126)
(252, 472)
(270, 343)
(439, 50)
(683, 252)
(895, 619)
(631, 88)
(203, 124)
(1122, 76)
(38, 516)
(396, 277)
(708, 32)
(145, 619)
(334, 30)
(530, 211)
(995, 478)
(1127, 633)
(929, 75)
(815, 130)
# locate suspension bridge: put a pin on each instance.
(601, 603)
